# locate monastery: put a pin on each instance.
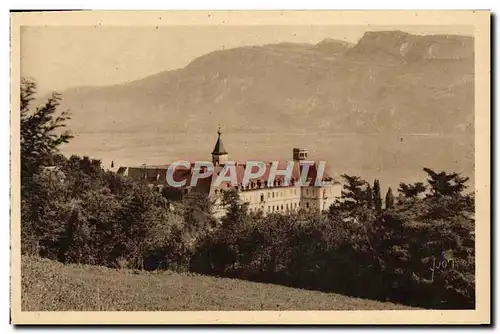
(258, 193)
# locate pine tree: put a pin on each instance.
(444, 184)
(39, 138)
(377, 198)
(353, 189)
(411, 190)
(389, 199)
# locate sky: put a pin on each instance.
(59, 58)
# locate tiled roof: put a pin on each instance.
(182, 173)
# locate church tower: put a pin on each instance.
(219, 154)
(299, 154)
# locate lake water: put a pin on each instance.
(389, 158)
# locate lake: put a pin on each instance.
(390, 158)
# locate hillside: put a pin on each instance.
(388, 81)
(52, 286)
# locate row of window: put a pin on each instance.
(286, 207)
(277, 194)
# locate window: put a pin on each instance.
(307, 191)
(307, 205)
(273, 194)
(287, 206)
(262, 197)
(268, 195)
(281, 207)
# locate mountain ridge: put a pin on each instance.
(270, 98)
(279, 83)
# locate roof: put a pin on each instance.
(219, 147)
(205, 183)
(182, 173)
(240, 172)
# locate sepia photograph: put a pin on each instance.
(207, 162)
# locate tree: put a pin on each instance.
(236, 210)
(377, 198)
(353, 192)
(444, 184)
(389, 199)
(411, 190)
(39, 130)
(369, 195)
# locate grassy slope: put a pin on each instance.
(53, 286)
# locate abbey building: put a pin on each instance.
(297, 184)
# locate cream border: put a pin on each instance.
(480, 20)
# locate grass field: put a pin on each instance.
(53, 286)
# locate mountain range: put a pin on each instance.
(388, 82)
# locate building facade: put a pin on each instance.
(308, 191)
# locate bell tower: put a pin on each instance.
(299, 154)
(219, 154)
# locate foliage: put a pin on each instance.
(40, 135)
(377, 198)
(411, 190)
(418, 251)
(389, 199)
(401, 250)
(444, 184)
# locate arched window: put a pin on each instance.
(262, 197)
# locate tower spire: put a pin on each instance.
(219, 154)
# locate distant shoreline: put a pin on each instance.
(250, 133)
